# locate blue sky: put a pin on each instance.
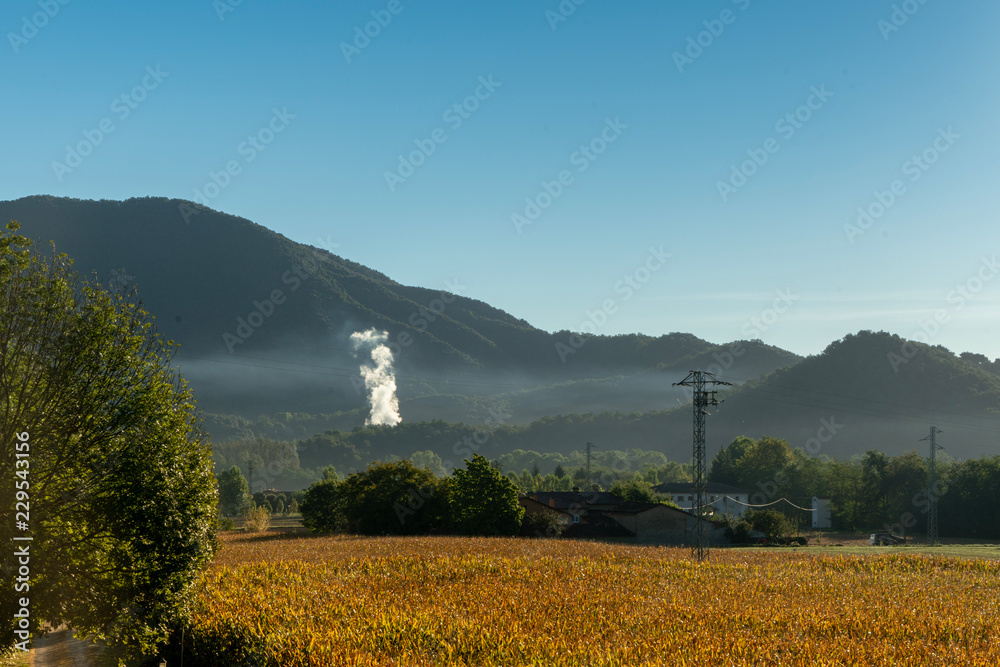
(832, 100)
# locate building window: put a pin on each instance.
(576, 518)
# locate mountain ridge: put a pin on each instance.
(252, 309)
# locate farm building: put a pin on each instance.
(603, 515)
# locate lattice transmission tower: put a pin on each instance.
(702, 398)
(932, 515)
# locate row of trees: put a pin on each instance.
(289, 466)
(399, 498)
(870, 491)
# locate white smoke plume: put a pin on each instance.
(380, 379)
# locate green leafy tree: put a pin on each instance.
(258, 519)
(321, 508)
(483, 501)
(541, 524)
(428, 459)
(772, 523)
(123, 500)
(634, 491)
(726, 467)
(905, 477)
(843, 484)
(254, 464)
(767, 462)
(395, 498)
(234, 492)
(964, 488)
(875, 510)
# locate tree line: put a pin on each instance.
(870, 491)
(399, 498)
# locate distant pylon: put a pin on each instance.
(701, 400)
(590, 481)
(932, 515)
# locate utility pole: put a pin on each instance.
(932, 517)
(702, 399)
(590, 482)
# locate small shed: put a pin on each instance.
(821, 513)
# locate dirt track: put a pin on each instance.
(61, 649)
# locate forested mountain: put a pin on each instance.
(210, 280)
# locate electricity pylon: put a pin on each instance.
(932, 516)
(701, 400)
(590, 481)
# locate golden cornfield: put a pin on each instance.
(508, 602)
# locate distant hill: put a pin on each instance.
(884, 391)
(211, 280)
(839, 403)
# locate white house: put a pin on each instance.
(721, 498)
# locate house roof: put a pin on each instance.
(711, 487)
(638, 508)
(527, 501)
(564, 500)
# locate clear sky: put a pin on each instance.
(739, 137)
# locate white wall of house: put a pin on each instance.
(721, 504)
